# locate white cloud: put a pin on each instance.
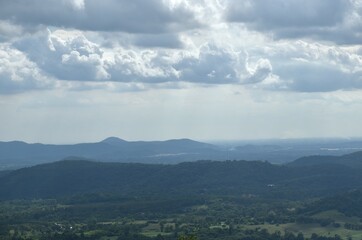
(75, 4)
(69, 55)
(211, 64)
(65, 55)
(18, 74)
(312, 67)
(140, 66)
(286, 65)
(261, 71)
(9, 30)
(219, 53)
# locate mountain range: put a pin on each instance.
(294, 180)
(17, 154)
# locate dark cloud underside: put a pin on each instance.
(336, 21)
(136, 16)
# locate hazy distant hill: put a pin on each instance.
(17, 154)
(287, 150)
(66, 178)
(351, 160)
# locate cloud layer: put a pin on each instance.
(87, 44)
(135, 16)
(338, 21)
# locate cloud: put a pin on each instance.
(73, 60)
(144, 66)
(157, 40)
(287, 13)
(211, 64)
(136, 16)
(338, 21)
(9, 31)
(65, 55)
(69, 55)
(261, 71)
(146, 24)
(207, 64)
(18, 74)
(313, 67)
(313, 77)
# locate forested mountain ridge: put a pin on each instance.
(69, 177)
(82, 199)
(351, 160)
(348, 203)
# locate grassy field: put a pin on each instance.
(309, 229)
(337, 217)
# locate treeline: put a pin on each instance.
(234, 178)
(349, 203)
(128, 233)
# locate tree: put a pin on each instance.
(188, 237)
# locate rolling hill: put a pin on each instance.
(353, 160)
(18, 154)
(70, 177)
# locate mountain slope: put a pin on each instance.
(66, 178)
(349, 203)
(351, 160)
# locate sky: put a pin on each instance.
(83, 70)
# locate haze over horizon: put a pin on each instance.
(83, 70)
(216, 142)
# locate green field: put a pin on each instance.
(217, 218)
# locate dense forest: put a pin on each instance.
(68, 177)
(77, 199)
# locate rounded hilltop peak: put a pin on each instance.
(113, 140)
(183, 140)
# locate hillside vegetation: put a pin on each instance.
(231, 200)
(203, 177)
